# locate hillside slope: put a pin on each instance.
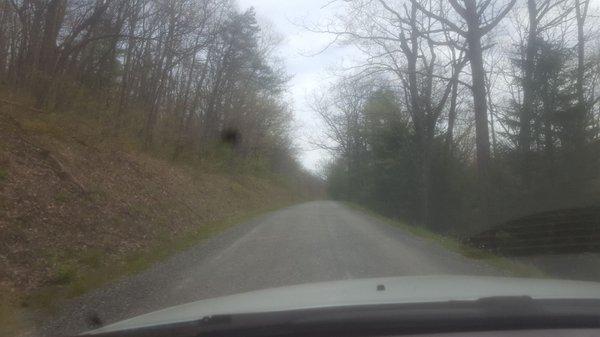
(70, 205)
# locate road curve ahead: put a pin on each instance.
(311, 242)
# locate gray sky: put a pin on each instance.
(309, 73)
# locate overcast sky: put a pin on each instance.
(309, 73)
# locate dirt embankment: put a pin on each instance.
(67, 204)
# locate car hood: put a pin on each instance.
(394, 290)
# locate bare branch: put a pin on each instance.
(440, 18)
(487, 28)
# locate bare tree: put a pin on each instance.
(477, 21)
(458, 62)
(581, 13)
(397, 41)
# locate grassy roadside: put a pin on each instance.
(95, 270)
(507, 265)
(83, 278)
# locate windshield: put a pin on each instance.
(155, 153)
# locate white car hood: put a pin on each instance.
(398, 290)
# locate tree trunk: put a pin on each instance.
(424, 179)
(55, 12)
(4, 43)
(451, 120)
(482, 136)
(528, 91)
(581, 13)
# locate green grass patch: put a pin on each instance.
(61, 197)
(65, 273)
(507, 265)
(12, 318)
(3, 174)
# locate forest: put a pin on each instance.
(461, 115)
(176, 76)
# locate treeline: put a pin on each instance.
(179, 75)
(465, 114)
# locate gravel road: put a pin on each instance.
(311, 242)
